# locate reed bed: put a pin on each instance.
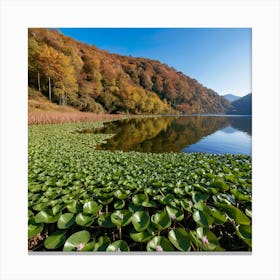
(67, 117)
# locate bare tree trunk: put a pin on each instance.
(39, 84)
(50, 89)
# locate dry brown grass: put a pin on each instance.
(63, 117)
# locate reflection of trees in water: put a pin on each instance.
(242, 123)
(161, 134)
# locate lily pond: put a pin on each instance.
(141, 184)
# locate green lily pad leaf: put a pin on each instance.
(74, 207)
(119, 204)
(88, 247)
(91, 207)
(134, 208)
(161, 220)
(66, 220)
(187, 205)
(159, 244)
(168, 199)
(138, 199)
(58, 208)
(207, 240)
(199, 196)
(40, 206)
(121, 218)
(34, 228)
(118, 246)
(102, 243)
(84, 219)
(121, 194)
(219, 184)
(140, 220)
(248, 212)
(143, 236)
(77, 241)
(234, 213)
(219, 218)
(240, 196)
(202, 218)
(175, 213)
(55, 240)
(245, 233)
(105, 201)
(180, 239)
(105, 221)
(149, 204)
(46, 216)
(226, 198)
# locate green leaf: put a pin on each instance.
(121, 218)
(161, 220)
(66, 220)
(206, 239)
(174, 213)
(74, 207)
(55, 240)
(91, 207)
(118, 246)
(34, 228)
(149, 204)
(180, 239)
(77, 241)
(140, 220)
(219, 218)
(245, 233)
(143, 236)
(133, 208)
(138, 199)
(84, 219)
(159, 244)
(102, 243)
(219, 184)
(46, 216)
(202, 218)
(119, 204)
(199, 196)
(121, 194)
(105, 221)
(234, 213)
(240, 196)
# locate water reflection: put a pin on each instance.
(212, 134)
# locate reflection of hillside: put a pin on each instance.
(162, 134)
(242, 123)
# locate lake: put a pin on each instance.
(209, 134)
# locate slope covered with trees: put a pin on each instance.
(242, 106)
(72, 73)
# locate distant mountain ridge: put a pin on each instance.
(242, 106)
(231, 97)
(72, 73)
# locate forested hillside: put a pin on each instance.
(242, 106)
(72, 73)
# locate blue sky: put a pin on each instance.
(219, 58)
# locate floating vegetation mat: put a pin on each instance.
(81, 199)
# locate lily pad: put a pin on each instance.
(84, 219)
(202, 218)
(180, 239)
(121, 218)
(138, 199)
(118, 246)
(245, 233)
(55, 240)
(91, 207)
(159, 244)
(102, 243)
(34, 228)
(161, 220)
(66, 220)
(140, 220)
(175, 213)
(74, 207)
(119, 204)
(219, 217)
(143, 236)
(121, 194)
(219, 184)
(207, 240)
(46, 216)
(77, 241)
(105, 221)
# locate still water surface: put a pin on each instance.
(209, 134)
